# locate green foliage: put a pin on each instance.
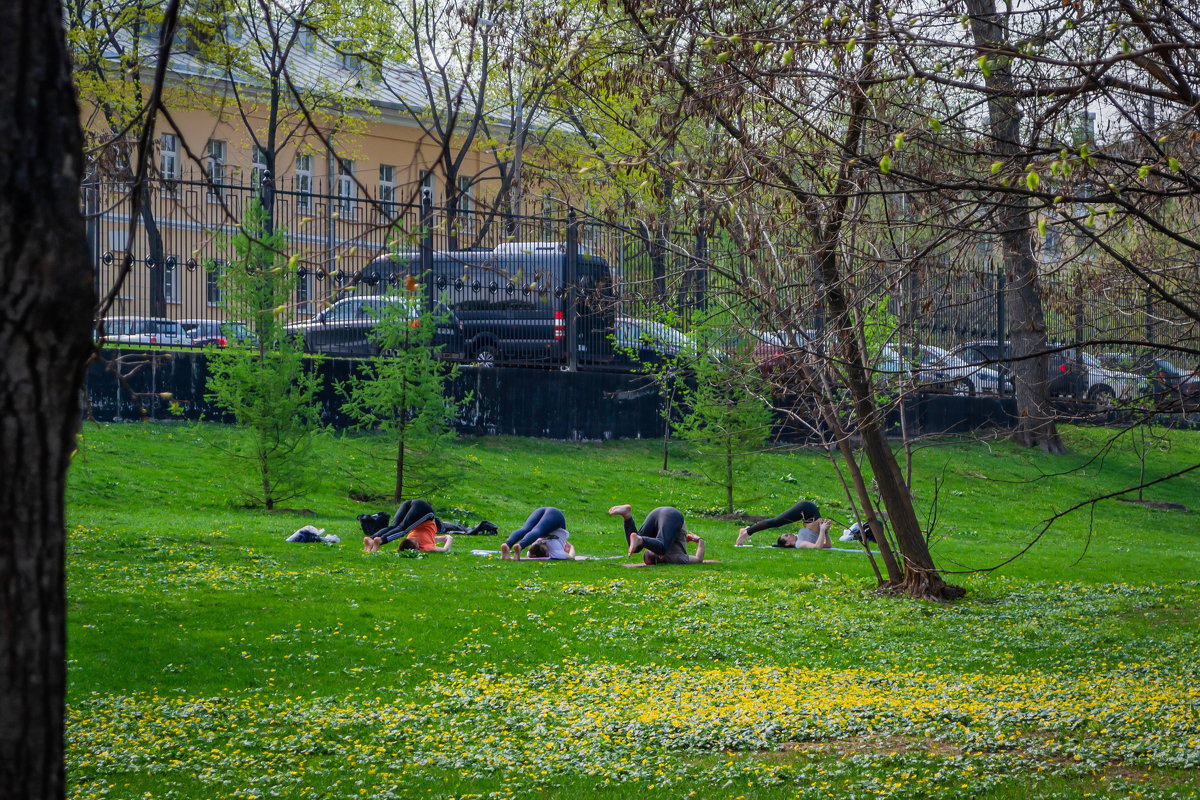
(726, 416)
(402, 392)
(194, 631)
(265, 383)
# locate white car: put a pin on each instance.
(1105, 385)
(143, 330)
(968, 378)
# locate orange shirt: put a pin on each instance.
(423, 535)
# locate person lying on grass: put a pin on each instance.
(553, 546)
(663, 537)
(543, 523)
(813, 534)
(415, 522)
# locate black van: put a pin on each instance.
(511, 302)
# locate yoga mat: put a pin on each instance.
(644, 564)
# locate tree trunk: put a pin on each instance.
(728, 476)
(920, 576)
(46, 304)
(1036, 426)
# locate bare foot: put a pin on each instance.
(635, 542)
(366, 544)
(504, 551)
(742, 538)
(625, 510)
(517, 551)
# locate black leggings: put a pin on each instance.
(793, 514)
(660, 532)
(409, 515)
(541, 522)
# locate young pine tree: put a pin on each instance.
(264, 382)
(403, 393)
(726, 417)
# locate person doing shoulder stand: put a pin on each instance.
(813, 534)
(663, 537)
(415, 526)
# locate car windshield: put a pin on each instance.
(648, 329)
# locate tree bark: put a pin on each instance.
(1036, 426)
(46, 306)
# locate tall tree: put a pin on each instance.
(46, 301)
(794, 101)
(1036, 426)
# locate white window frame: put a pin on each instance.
(304, 180)
(216, 151)
(169, 159)
(387, 190)
(347, 189)
(466, 205)
(258, 166)
(429, 181)
(212, 284)
(171, 279)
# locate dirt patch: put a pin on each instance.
(308, 512)
(678, 473)
(1160, 505)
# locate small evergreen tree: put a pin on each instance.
(726, 417)
(402, 392)
(265, 382)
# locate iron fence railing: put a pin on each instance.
(494, 262)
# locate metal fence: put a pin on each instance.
(181, 241)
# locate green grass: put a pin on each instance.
(210, 659)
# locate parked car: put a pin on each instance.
(201, 332)
(892, 368)
(646, 341)
(1069, 371)
(349, 327)
(1165, 383)
(141, 331)
(512, 300)
(968, 378)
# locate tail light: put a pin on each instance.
(153, 339)
(222, 342)
(560, 325)
(416, 323)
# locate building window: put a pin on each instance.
(346, 190)
(258, 166)
(169, 159)
(387, 189)
(212, 285)
(171, 280)
(215, 166)
(304, 181)
(303, 289)
(466, 205)
(429, 181)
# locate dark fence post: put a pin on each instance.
(1149, 313)
(1001, 324)
(266, 196)
(701, 276)
(570, 276)
(1079, 368)
(427, 246)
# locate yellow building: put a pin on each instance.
(351, 160)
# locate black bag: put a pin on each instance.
(374, 523)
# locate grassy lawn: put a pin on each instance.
(210, 659)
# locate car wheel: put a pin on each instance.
(486, 356)
(1102, 396)
(963, 388)
(389, 352)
